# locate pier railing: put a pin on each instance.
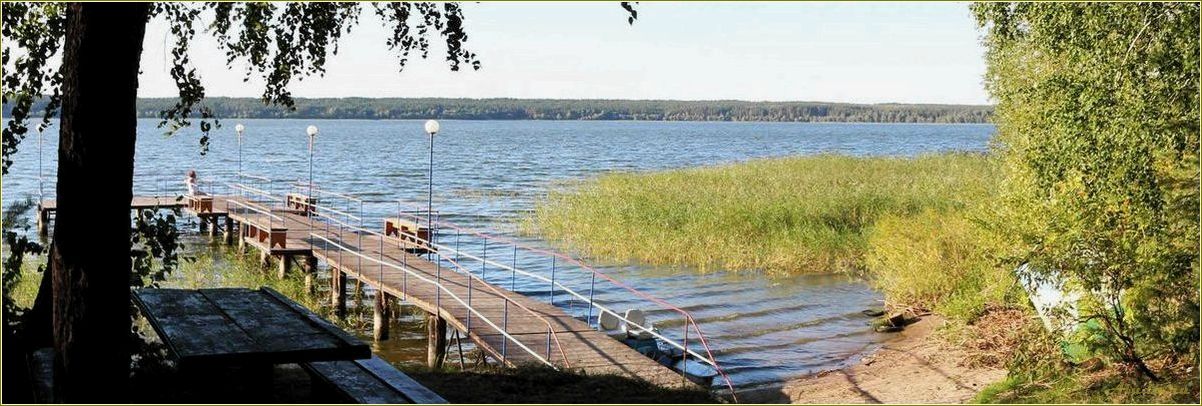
(558, 263)
(248, 209)
(332, 237)
(693, 343)
(256, 195)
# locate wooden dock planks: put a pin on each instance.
(584, 348)
(224, 325)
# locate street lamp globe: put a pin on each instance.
(431, 127)
(312, 130)
(239, 128)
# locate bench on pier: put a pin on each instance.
(409, 231)
(200, 204)
(299, 202)
(369, 381)
(270, 235)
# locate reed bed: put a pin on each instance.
(791, 215)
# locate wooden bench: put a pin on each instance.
(200, 204)
(410, 231)
(299, 202)
(369, 381)
(271, 235)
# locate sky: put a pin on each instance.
(835, 52)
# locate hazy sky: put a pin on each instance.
(844, 52)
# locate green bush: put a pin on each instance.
(940, 261)
(1097, 113)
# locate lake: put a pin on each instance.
(488, 174)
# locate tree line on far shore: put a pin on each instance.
(552, 109)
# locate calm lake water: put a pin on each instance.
(488, 174)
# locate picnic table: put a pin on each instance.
(240, 326)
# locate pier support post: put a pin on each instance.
(357, 296)
(381, 316)
(310, 273)
(204, 223)
(436, 340)
(213, 228)
(43, 222)
(264, 260)
(283, 270)
(229, 230)
(338, 292)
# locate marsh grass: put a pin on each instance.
(783, 216)
(942, 261)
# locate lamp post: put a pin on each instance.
(431, 128)
(238, 129)
(312, 131)
(41, 192)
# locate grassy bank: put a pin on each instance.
(788, 215)
(920, 230)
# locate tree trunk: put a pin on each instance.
(102, 52)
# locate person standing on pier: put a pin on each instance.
(190, 182)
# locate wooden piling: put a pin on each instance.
(43, 222)
(381, 316)
(338, 292)
(229, 230)
(241, 241)
(436, 340)
(310, 273)
(265, 259)
(283, 270)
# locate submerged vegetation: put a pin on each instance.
(786, 215)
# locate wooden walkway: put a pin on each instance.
(48, 207)
(574, 343)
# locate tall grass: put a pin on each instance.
(944, 262)
(786, 215)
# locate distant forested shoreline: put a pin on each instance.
(566, 109)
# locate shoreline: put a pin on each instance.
(917, 366)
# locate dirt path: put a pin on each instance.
(915, 367)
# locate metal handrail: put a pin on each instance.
(318, 207)
(689, 320)
(551, 330)
(256, 191)
(251, 206)
(299, 184)
(256, 177)
(570, 291)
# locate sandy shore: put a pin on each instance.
(915, 367)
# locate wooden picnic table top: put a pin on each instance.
(243, 326)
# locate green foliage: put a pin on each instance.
(789, 215)
(156, 247)
(38, 29)
(278, 41)
(15, 229)
(941, 261)
(1098, 115)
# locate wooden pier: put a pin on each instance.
(400, 263)
(392, 266)
(47, 208)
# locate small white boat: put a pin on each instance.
(698, 372)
